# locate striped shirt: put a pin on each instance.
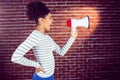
(43, 47)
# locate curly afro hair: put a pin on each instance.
(36, 10)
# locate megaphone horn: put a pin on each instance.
(74, 23)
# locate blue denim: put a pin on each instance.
(36, 77)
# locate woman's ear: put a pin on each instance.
(40, 20)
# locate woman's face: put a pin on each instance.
(47, 22)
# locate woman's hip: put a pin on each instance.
(36, 77)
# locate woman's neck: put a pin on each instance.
(41, 29)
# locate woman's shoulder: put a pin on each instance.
(34, 35)
(37, 34)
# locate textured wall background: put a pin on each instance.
(95, 55)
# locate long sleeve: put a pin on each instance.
(18, 55)
(65, 48)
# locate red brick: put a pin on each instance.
(93, 56)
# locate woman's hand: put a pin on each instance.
(40, 69)
(74, 34)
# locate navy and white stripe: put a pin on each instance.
(43, 47)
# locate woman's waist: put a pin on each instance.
(47, 65)
(47, 73)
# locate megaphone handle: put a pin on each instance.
(73, 30)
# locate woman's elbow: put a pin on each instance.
(61, 54)
(12, 59)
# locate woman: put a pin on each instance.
(41, 44)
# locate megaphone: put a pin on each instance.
(74, 23)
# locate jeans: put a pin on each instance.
(36, 77)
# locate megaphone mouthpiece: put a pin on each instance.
(69, 23)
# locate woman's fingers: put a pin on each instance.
(40, 69)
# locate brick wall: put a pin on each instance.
(95, 55)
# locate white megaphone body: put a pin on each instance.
(74, 23)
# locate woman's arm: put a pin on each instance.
(65, 48)
(18, 55)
